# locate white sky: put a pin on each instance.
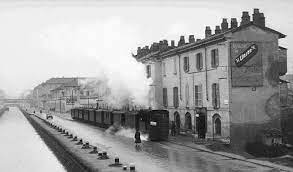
(40, 40)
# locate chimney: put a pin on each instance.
(234, 23)
(245, 19)
(262, 20)
(181, 41)
(258, 18)
(138, 50)
(224, 25)
(255, 16)
(208, 31)
(172, 43)
(217, 30)
(191, 39)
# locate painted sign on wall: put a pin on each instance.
(246, 64)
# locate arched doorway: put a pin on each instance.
(177, 121)
(217, 124)
(188, 124)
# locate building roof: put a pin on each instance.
(209, 40)
(59, 80)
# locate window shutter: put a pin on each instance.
(216, 57)
(175, 97)
(217, 96)
(201, 61)
(214, 95)
(196, 96)
(213, 58)
(175, 69)
(187, 94)
(165, 97)
(200, 95)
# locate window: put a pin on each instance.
(175, 66)
(199, 61)
(175, 97)
(165, 97)
(148, 70)
(214, 58)
(164, 68)
(187, 95)
(186, 64)
(198, 95)
(215, 95)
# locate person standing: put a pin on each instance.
(173, 128)
(137, 138)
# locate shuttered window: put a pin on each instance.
(187, 95)
(175, 66)
(175, 97)
(216, 95)
(198, 95)
(148, 71)
(199, 61)
(214, 58)
(164, 68)
(186, 64)
(165, 97)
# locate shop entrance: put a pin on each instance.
(201, 124)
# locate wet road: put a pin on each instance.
(21, 148)
(154, 156)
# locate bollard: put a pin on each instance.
(103, 155)
(131, 167)
(75, 138)
(70, 136)
(79, 142)
(124, 167)
(100, 154)
(86, 146)
(94, 150)
(116, 162)
(66, 134)
(63, 131)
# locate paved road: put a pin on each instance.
(154, 156)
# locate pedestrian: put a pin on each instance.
(137, 138)
(173, 128)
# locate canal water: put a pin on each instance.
(21, 148)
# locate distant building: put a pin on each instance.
(225, 86)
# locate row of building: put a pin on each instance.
(62, 94)
(224, 86)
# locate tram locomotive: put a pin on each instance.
(153, 122)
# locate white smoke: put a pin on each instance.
(125, 132)
(109, 44)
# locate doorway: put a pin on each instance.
(177, 121)
(201, 124)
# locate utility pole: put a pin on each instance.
(88, 99)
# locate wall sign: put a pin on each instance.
(246, 63)
(246, 55)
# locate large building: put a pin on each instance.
(224, 86)
(62, 94)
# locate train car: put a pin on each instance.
(86, 115)
(108, 118)
(99, 118)
(80, 114)
(119, 118)
(92, 116)
(159, 125)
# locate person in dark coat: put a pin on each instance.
(173, 128)
(137, 138)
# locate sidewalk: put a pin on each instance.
(226, 151)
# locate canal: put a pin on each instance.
(21, 148)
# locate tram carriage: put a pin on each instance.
(143, 120)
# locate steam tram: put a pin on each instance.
(154, 122)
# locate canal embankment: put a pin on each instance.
(74, 154)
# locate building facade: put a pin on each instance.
(225, 86)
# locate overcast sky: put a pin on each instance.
(40, 40)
